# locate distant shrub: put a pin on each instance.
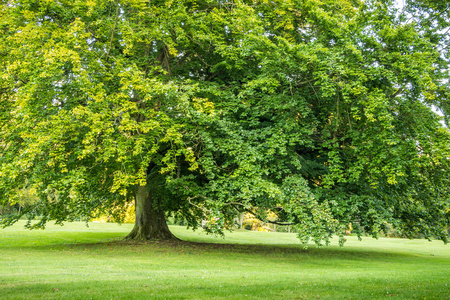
(252, 223)
(127, 217)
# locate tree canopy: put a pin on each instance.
(322, 112)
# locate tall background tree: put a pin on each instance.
(319, 111)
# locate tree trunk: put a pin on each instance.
(150, 220)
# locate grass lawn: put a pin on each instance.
(79, 262)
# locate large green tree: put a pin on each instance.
(319, 111)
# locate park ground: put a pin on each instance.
(79, 262)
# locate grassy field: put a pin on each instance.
(79, 262)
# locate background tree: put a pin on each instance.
(320, 111)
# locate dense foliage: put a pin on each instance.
(320, 111)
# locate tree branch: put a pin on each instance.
(399, 91)
(112, 32)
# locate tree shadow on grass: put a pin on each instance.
(262, 250)
(115, 242)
